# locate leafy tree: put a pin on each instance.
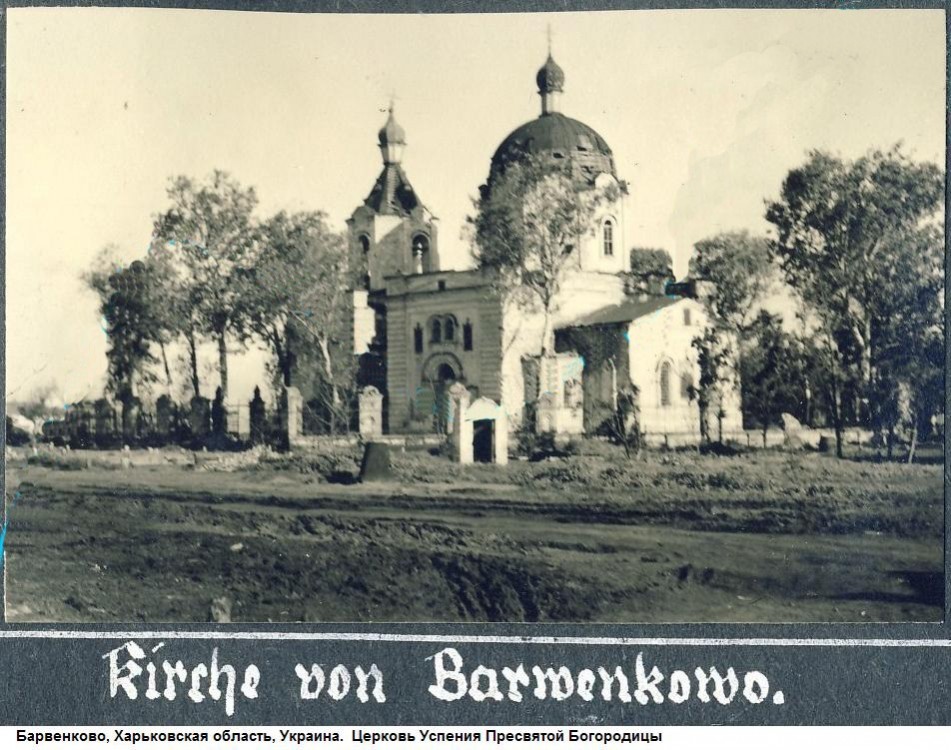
(297, 299)
(35, 406)
(908, 364)
(210, 226)
(738, 266)
(129, 303)
(623, 426)
(844, 232)
(528, 225)
(651, 269)
(738, 272)
(174, 315)
(713, 360)
(772, 377)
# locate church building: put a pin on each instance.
(419, 329)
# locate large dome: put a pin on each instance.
(559, 136)
(554, 134)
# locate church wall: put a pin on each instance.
(397, 364)
(582, 293)
(391, 245)
(662, 337)
(592, 244)
(655, 340)
(418, 300)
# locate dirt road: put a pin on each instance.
(158, 544)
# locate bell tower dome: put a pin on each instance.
(392, 233)
(392, 139)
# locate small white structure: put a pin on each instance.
(490, 432)
(292, 412)
(460, 427)
(479, 430)
(371, 412)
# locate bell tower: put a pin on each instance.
(392, 233)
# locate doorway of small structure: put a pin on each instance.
(482, 434)
(445, 377)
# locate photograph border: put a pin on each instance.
(789, 643)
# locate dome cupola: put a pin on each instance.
(550, 77)
(551, 83)
(392, 140)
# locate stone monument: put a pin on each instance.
(371, 412)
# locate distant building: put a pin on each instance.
(419, 329)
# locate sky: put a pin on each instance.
(705, 110)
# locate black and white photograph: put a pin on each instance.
(581, 317)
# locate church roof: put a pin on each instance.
(622, 313)
(557, 134)
(392, 193)
(554, 134)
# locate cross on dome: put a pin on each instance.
(551, 81)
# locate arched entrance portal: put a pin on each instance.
(439, 373)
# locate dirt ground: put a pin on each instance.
(761, 537)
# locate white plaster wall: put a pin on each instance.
(582, 293)
(364, 323)
(592, 257)
(585, 292)
(664, 336)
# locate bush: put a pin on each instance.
(52, 461)
(16, 436)
(443, 450)
(721, 449)
(546, 445)
(623, 426)
(560, 473)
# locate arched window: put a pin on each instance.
(364, 241)
(665, 384)
(421, 253)
(607, 237)
(467, 336)
(449, 330)
(437, 331)
(418, 339)
(687, 321)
